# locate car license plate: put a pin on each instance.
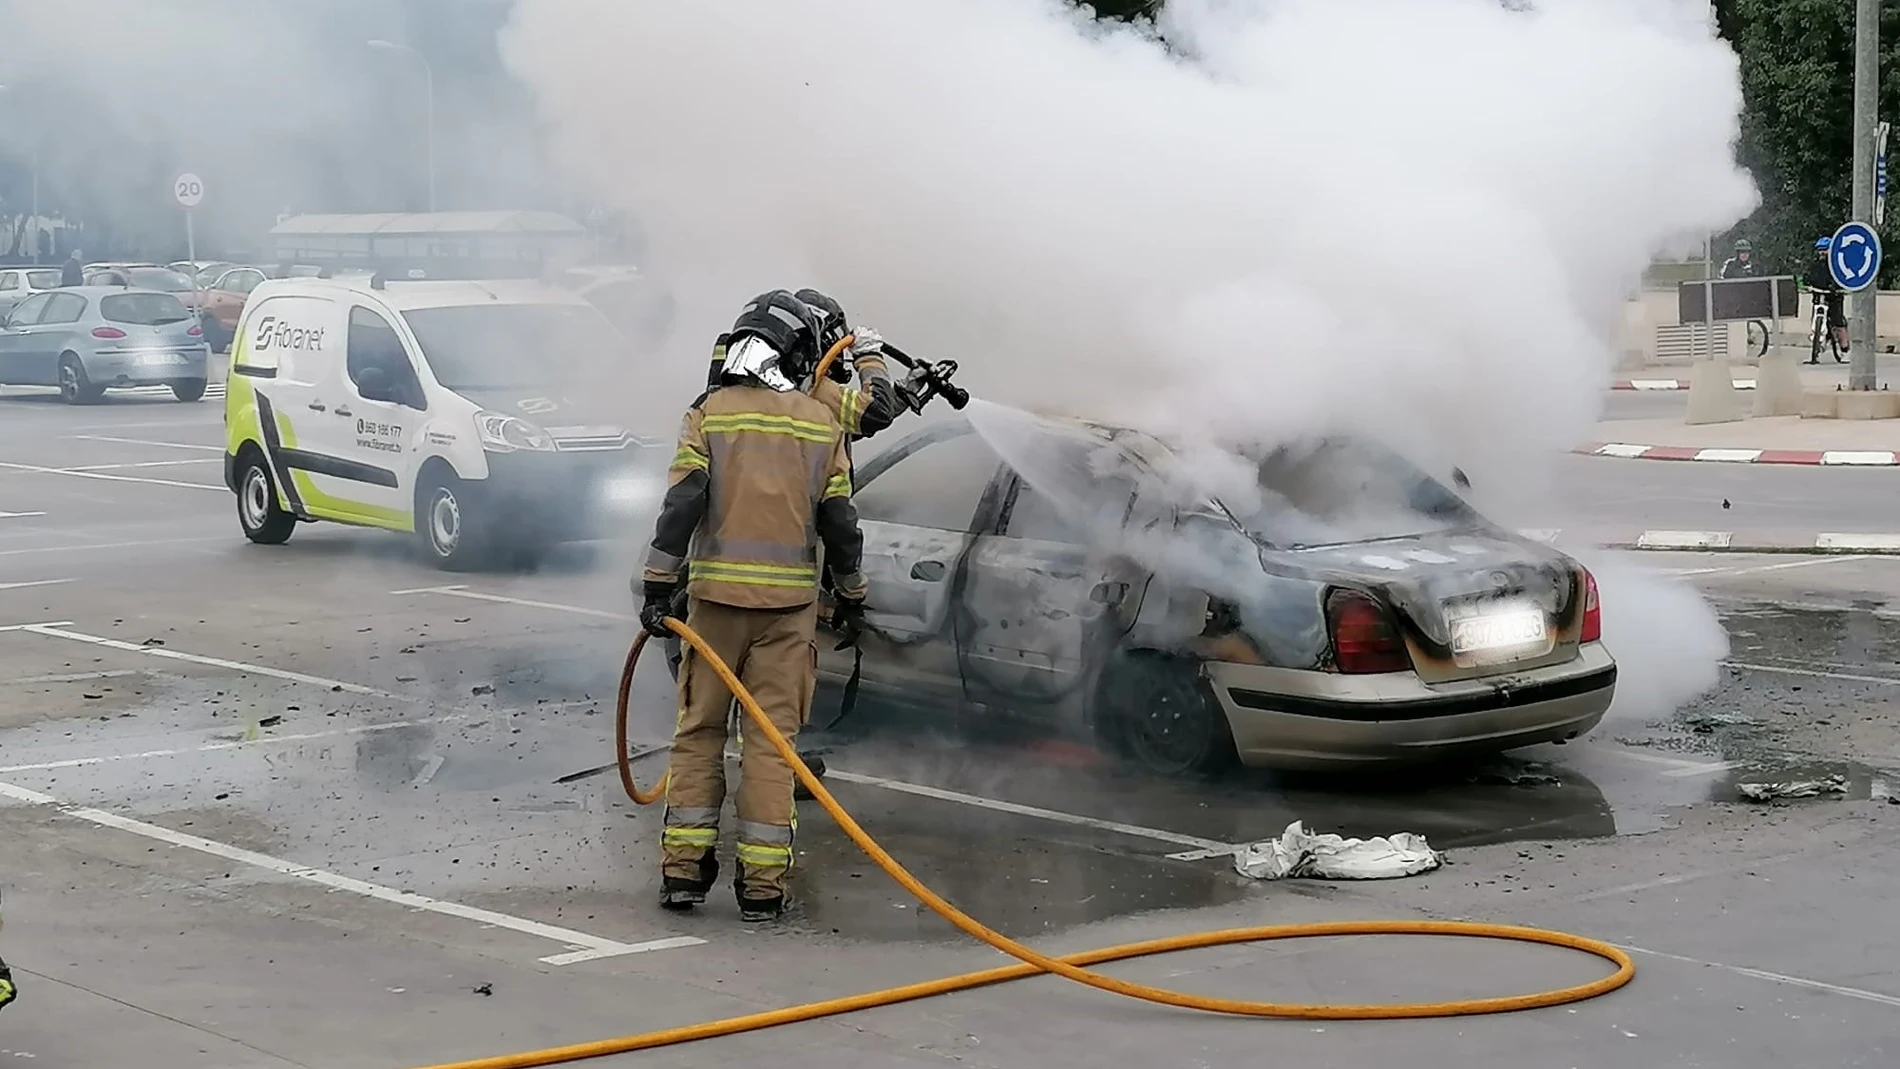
(160, 359)
(1496, 631)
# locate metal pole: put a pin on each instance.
(36, 202)
(1861, 328)
(429, 82)
(191, 246)
(1708, 297)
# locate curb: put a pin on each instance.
(1830, 457)
(1670, 384)
(1731, 542)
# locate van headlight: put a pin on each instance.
(502, 433)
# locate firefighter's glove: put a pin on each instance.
(658, 606)
(867, 342)
(847, 619)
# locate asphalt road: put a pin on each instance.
(313, 805)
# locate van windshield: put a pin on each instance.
(1332, 491)
(514, 346)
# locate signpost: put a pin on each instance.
(189, 191)
(1880, 174)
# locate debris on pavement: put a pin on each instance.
(1525, 774)
(485, 989)
(1299, 853)
(270, 721)
(1803, 788)
(482, 688)
(1706, 723)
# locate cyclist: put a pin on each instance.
(1821, 283)
(1742, 264)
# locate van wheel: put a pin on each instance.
(74, 387)
(1156, 710)
(188, 389)
(446, 525)
(263, 520)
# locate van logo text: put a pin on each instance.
(274, 333)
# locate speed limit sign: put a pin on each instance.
(189, 190)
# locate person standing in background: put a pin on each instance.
(73, 271)
(1742, 264)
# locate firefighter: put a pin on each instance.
(863, 411)
(759, 480)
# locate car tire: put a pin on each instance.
(188, 389)
(264, 521)
(447, 528)
(74, 387)
(1156, 710)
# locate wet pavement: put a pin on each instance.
(233, 757)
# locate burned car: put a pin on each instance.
(1345, 610)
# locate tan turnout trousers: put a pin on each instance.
(773, 653)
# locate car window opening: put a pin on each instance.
(1334, 491)
(143, 309)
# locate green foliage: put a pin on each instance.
(1797, 119)
(1123, 9)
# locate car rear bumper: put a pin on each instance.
(144, 366)
(1283, 718)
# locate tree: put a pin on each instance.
(1797, 117)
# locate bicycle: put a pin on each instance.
(1758, 338)
(1822, 327)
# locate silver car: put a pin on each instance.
(1352, 611)
(19, 283)
(88, 339)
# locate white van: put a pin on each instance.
(462, 412)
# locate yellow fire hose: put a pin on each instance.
(1035, 962)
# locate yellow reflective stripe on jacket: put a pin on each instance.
(766, 423)
(839, 486)
(690, 459)
(752, 574)
(850, 409)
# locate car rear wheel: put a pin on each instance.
(264, 521)
(1156, 710)
(188, 389)
(74, 387)
(446, 525)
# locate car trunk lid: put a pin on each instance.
(1469, 603)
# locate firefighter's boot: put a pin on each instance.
(754, 909)
(683, 893)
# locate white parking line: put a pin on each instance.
(55, 631)
(108, 545)
(239, 744)
(110, 477)
(72, 677)
(35, 582)
(19, 515)
(1056, 816)
(459, 591)
(1776, 977)
(581, 946)
(147, 441)
(144, 464)
(1806, 562)
(1814, 673)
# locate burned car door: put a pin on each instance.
(1047, 597)
(916, 502)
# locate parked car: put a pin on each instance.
(19, 283)
(88, 339)
(146, 276)
(224, 297)
(1358, 613)
(194, 268)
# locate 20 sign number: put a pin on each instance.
(189, 190)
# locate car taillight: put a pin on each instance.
(107, 332)
(1592, 610)
(196, 330)
(1364, 640)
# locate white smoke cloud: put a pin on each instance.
(1406, 219)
